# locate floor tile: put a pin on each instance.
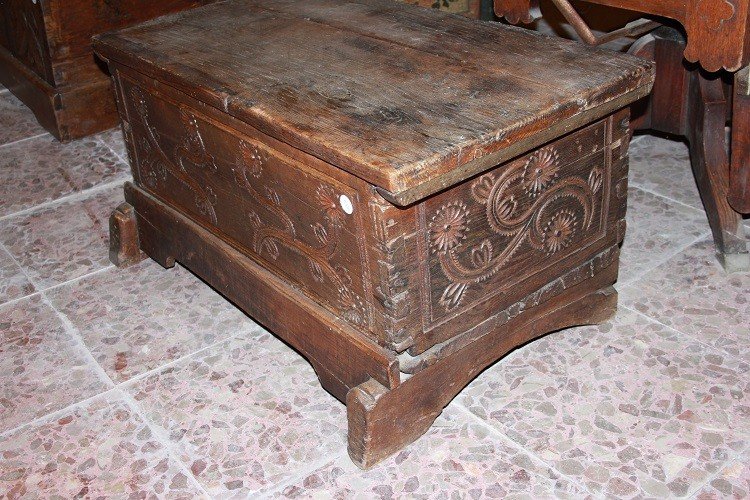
(657, 228)
(16, 120)
(100, 450)
(63, 241)
(116, 142)
(693, 294)
(43, 169)
(42, 367)
(663, 166)
(13, 283)
(245, 415)
(629, 408)
(732, 482)
(136, 319)
(456, 458)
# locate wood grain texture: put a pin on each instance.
(388, 98)
(342, 358)
(470, 8)
(383, 421)
(690, 102)
(261, 162)
(47, 61)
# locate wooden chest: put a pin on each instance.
(400, 194)
(46, 58)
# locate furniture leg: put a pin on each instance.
(382, 421)
(739, 172)
(687, 101)
(708, 157)
(124, 246)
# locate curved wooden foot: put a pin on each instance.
(690, 102)
(124, 247)
(710, 163)
(383, 421)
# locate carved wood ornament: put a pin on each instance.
(190, 156)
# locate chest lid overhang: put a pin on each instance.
(411, 100)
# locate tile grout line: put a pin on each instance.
(53, 287)
(691, 336)
(30, 138)
(163, 439)
(270, 490)
(122, 386)
(491, 428)
(137, 378)
(663, 260)
(660, 195)
(53, 415)
(73, 197)
(71, 329)
(112, 150)
(20, 268)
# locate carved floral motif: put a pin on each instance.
(155, 162)
(448, 226)
(267, 238)
(530, 206)
(273, 229)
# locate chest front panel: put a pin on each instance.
(294, 220)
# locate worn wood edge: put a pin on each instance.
(401, 186)
(383, 421)
(167, 235)
(37, 94)
(484, 163)
(51, 105)
(124, 245)
(598, 272)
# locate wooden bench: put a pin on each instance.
(402, 195)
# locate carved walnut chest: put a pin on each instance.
(403, 195)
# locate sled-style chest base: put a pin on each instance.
(401, 216)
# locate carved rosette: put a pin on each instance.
(532, 206)
(280, 232)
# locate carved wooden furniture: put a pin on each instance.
(46, 58)
(689, 99)
(378, 186)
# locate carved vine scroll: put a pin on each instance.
(535, 208)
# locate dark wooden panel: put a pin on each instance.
(22, 32)
(341, 356)
(283, 213)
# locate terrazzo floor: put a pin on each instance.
(144, 382)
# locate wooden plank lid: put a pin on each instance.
(411, 100)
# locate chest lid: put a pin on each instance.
(411, 100)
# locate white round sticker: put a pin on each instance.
(346, 204)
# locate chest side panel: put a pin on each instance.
(22, 32)
(501, 236)
(298, 222)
